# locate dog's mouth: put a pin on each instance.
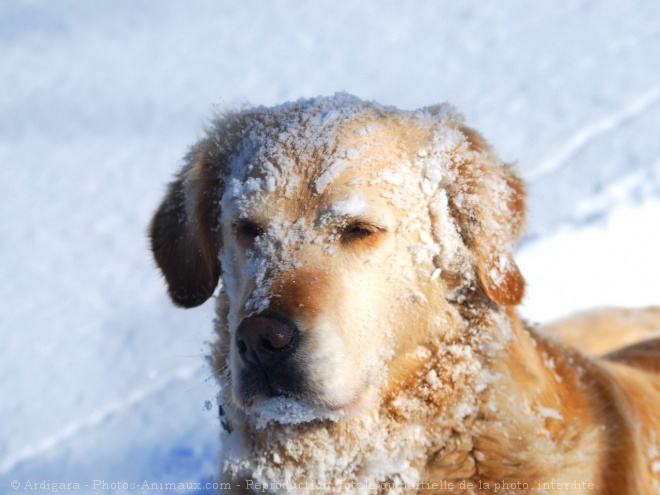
(289, 410)
(277, 374)
(286, 409)
(256, 383)
(289, 394)
(270, 397)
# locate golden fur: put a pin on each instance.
(607, 329)
(387, 238)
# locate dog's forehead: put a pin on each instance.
(323, 162)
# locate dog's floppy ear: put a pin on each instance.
(183, 232)
(488, 203)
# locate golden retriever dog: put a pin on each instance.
(368, 340)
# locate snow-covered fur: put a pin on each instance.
(373, 248)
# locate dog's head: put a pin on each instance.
(345, 233)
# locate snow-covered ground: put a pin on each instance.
(100, 378)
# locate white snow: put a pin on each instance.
(655, 467)
(100, 377)
(548, 412)
(354, 206)
(610, 261)
(287, 411)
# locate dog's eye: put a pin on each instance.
(247, 229)
(357, 231)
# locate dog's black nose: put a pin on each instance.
(266, 339)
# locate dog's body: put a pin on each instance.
(607, 329)
(367, 337)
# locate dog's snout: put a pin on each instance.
(265, 340)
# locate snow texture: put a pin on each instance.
(100, 377)
(285, 411)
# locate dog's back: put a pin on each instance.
(607, 329)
